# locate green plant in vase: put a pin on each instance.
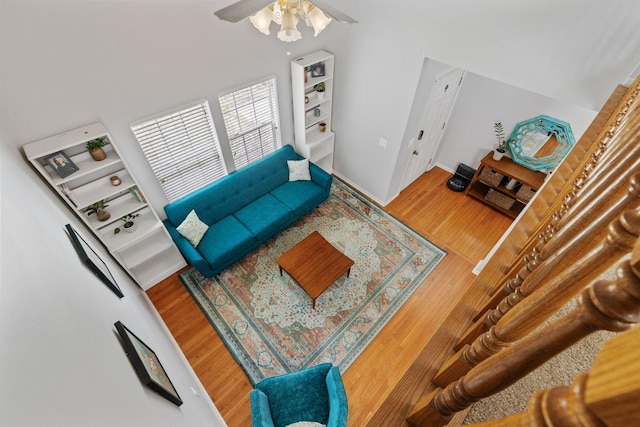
(98, 208)
(95, 148)
(319, 88)
(503, 145)
(129, 224)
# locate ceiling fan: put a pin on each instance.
(283, 13)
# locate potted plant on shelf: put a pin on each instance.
(319, 87)
(98, 208)
(129, 224)
(503, 145)
(95, 148)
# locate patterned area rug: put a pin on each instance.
(267, 321)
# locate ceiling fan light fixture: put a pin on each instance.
(289, 31)
(317, 19)
(262, 20)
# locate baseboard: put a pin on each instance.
(361, 190)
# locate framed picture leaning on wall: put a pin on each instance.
(91, 259)
(147, 365)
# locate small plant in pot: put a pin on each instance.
(503, 145)
(95, 148)
(129, 224)
(98, 208)
(319, 90)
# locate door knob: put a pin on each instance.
(415, 153)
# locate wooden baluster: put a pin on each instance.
(523, 315)
(613, 132)
(612, 305)
(494, 274)
(622, 144)
(607, 396)
(627, 161)
(561, 244)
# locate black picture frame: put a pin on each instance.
(61, 164)
(91, 259)
(317, 70)
(147, 365)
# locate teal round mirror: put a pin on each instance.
(541, 142)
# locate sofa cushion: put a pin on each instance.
(224, 239)
(192, 228)
(300, 196)
(299, 170)
(265, 217)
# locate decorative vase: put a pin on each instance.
(102, 215)
(129, 227)
(98, 154)
(322, 126)
(497, 155)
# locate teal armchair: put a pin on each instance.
(315, 394)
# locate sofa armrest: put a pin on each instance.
(320, 176)
(260, 412)
(190, 253)
(338, 405)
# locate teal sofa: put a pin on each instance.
(245, 209)
(314, 394)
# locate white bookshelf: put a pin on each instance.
(310, 142)
(148, 254)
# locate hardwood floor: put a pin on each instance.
(464, 227)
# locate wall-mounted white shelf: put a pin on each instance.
(148, 254)
(310, 142)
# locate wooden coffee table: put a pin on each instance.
(315, 264)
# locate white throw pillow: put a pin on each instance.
(192, 228)
(299, 170)
(306, 424)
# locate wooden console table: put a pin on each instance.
(489, 185)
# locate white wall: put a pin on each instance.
(61, 360)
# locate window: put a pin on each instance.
(252, 121)
(182, 148)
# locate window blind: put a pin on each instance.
(182, 148)
(252, 121)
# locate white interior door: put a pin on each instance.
(440, 102)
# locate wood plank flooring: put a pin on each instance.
(464, 227)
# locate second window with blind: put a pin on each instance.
(183, 148)
(252, 121)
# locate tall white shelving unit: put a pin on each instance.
(309, 109)
(148, 254)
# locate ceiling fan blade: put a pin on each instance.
(333, 12)
(236, 12)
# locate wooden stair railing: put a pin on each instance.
(612, 305)
(607, 396)
(616, 151)
(579, 217)
(550, 272)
